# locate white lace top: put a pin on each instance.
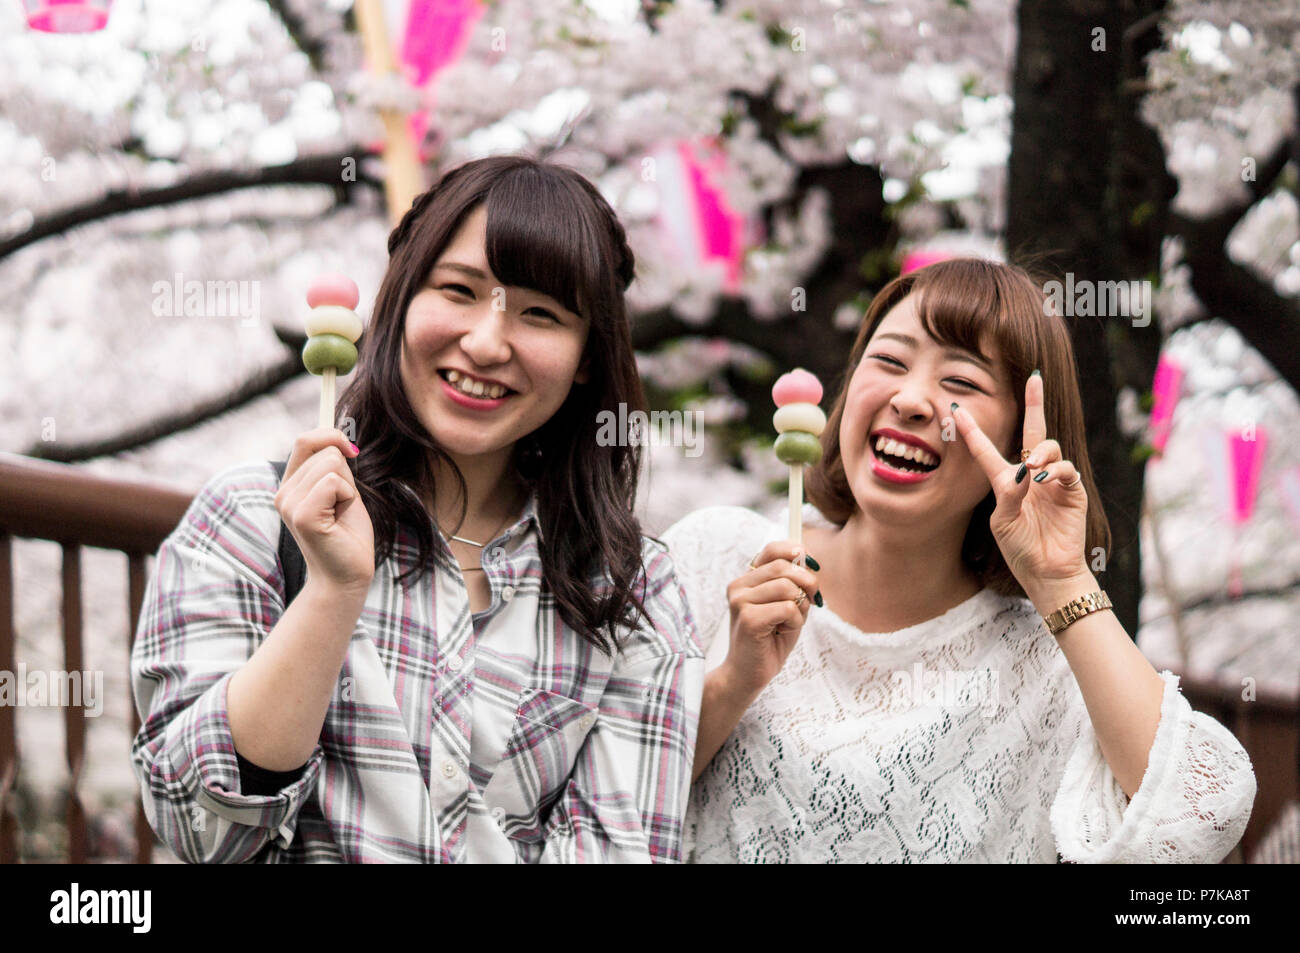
(964, 738)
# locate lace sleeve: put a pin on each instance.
(1191, 807)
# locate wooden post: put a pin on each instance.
(403, 179)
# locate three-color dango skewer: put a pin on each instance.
(333, 328)
(800, 423)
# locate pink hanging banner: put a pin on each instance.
(1165, 389)
(1247, 460)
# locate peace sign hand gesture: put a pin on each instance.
(1040, 521)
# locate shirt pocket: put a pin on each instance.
(543, 746)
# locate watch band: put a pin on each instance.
(1076, 609)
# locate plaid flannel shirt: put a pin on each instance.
(498, 736)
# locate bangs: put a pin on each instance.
(540, 237)
(967, 302)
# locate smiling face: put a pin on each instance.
(898, 400)
(484, 365)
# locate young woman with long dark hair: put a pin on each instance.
(487, 660)
(934, 676)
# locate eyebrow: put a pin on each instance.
(956, 354)
(469, 270)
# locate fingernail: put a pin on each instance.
(1041, 477)
(1036, 373)
(1020, 474)
(355, 448)
(812, 563)
(818, 601)
(954, 406)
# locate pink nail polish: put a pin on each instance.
(355, 448)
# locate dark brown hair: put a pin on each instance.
(960, 302)
(548, 230)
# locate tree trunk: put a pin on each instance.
(1088, 194)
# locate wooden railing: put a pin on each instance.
(73, 508)
(66, 505)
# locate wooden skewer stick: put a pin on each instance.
(796, 503)
(327, 397)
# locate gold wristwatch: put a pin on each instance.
(1077, 609)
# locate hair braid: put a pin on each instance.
(626, 260)
(626, 268)
(399, 235)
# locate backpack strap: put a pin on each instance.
(291, 562)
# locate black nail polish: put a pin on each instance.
(1020, 474)
(954, 406)
(1041, 477)
(811, 563)
(818, 601)
(1037, 373)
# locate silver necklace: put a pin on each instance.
(470, 542)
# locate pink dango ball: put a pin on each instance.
(333, 289)
(797, 387)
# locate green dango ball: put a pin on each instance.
(329, 350)
(796, 446)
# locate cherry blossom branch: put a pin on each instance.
(1269, 322)
(317, 170)
(259, 385)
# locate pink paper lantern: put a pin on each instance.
(920, 258)
(437, 32)
(695, 214)
(67, 16)
(1165, 389)
(427, 36)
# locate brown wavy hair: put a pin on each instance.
(549, 230)
(959, 302)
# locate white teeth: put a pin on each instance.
(906, 451)
(474, 388)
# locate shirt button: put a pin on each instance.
(507, 593)
(498, 814)
(586, 721)
(449, 769)
(455, 664)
